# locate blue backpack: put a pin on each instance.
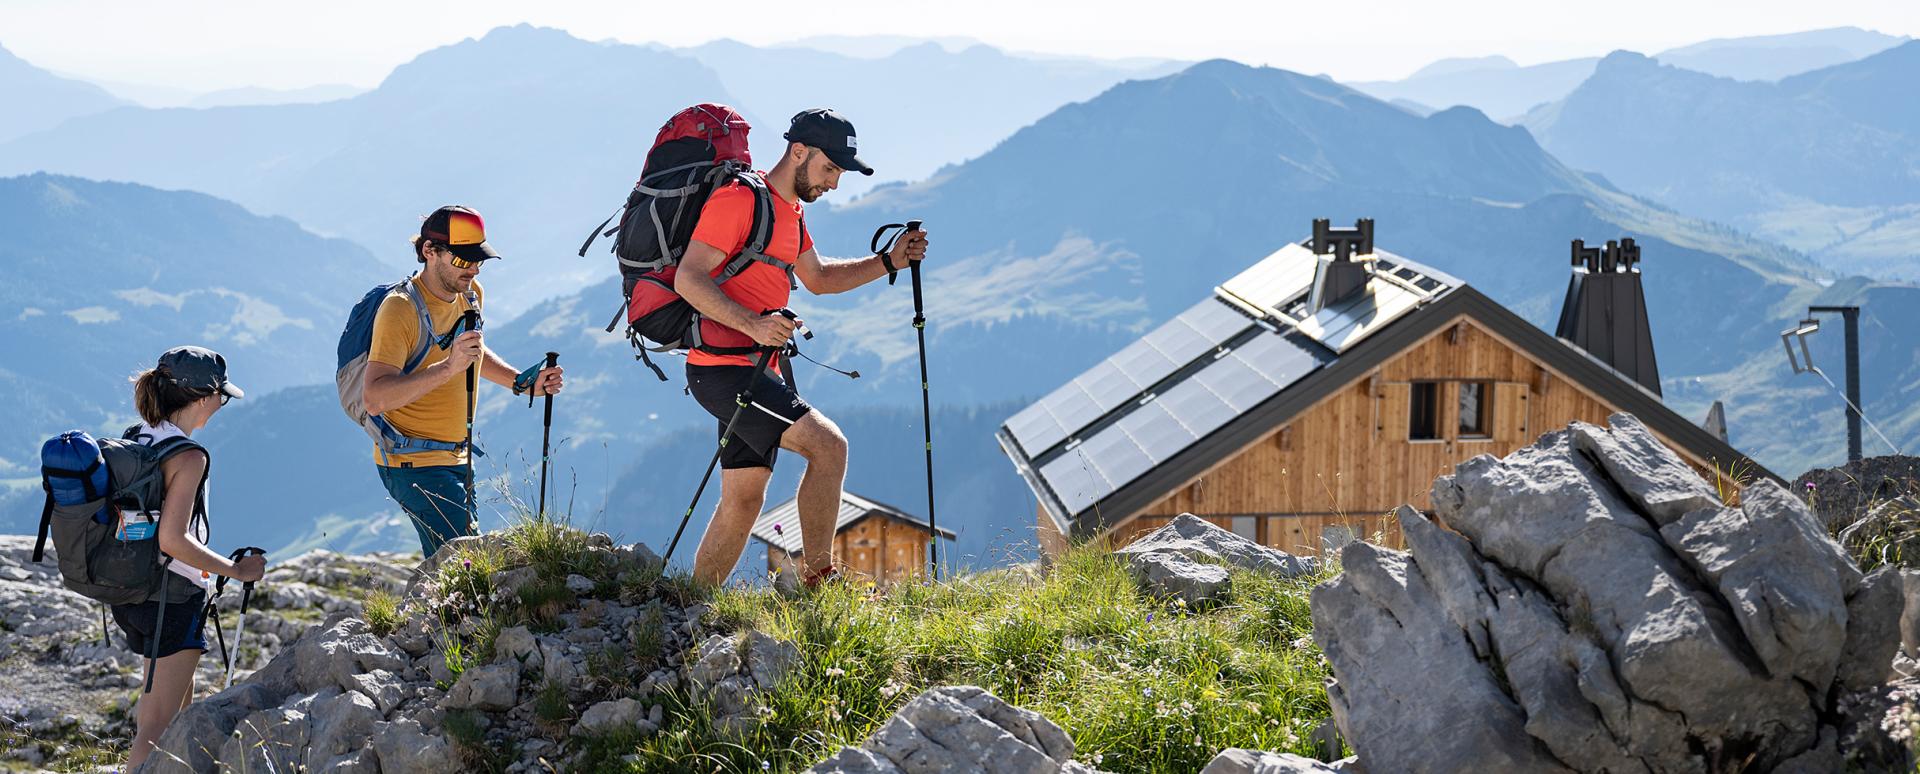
(356, 341)
(88, 484)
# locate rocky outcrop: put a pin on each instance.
(1842, 495)
(1187, 560)
(1589, 604)
(574, 650)
(59, 680)
(959, 728)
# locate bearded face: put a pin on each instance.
(815, 176)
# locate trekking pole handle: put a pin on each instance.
(801, 327)
(913, 268)
(236, 556)
(553, 359)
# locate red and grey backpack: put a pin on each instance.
(698, 151)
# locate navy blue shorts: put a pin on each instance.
(772, 407)
(184, 627)
(435, 498)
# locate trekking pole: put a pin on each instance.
(471, 320)
(740, 404)
(546, 431)
(926, 410)
(239, 624)
(159, 619)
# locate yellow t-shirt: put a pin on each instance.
(440, 415)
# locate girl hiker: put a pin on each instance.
(175, 398)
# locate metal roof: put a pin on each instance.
(1163, 393)
(853, 508)
(1198, 388)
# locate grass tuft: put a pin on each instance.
(382, 611)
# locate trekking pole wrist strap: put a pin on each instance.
(885, 252)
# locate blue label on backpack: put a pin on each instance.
(137, 531)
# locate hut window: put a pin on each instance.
(1423, 417)
(1473, 409)
(1247, 527)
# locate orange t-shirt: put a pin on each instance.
(724, 225)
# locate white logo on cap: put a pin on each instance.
(853, 143)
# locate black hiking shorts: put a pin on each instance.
(772, 407)
(184, 627)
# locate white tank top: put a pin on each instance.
(197, 529)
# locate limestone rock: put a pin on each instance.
(1241, 761)
(612, 716)
(769, 660)
(1588, 604)
(1194, 538)
(1174, 576)
(404, 748)
(492, 687)
(717, 658)
(340, 724)
(507, 583)
(959, 728)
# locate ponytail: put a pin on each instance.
(157, 398)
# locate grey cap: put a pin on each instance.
(199, 369)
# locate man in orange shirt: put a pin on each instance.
(820, 146)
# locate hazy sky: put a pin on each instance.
(223, 43)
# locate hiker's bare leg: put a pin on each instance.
(742, 493)
(172, 691)
(818, 439)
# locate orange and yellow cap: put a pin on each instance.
(461, 229)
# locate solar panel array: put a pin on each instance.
(1160, 395)
(1127, 374)
(1172, 421)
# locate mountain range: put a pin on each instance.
(39, 100)
(1827, 162)
(544, 151)
(1505, 90)
(102, 277)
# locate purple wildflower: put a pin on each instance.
(777, 530)
(1149, 617)
(1809, 486)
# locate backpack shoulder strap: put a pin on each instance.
(46, 523)
(758, 235)
(761, 232)
(425, 319)
(166, 449)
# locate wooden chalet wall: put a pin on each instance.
(1346, 461)
(877, 548)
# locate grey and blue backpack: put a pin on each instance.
(89, 484)
(356, 342)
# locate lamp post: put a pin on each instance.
(1802, 362)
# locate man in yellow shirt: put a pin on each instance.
(432, 474)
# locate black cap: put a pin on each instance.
(832, 133)
(461, 230)
(198, 369)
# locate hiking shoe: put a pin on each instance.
(813, 581)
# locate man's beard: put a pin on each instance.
(803, 185)
(451, 283)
